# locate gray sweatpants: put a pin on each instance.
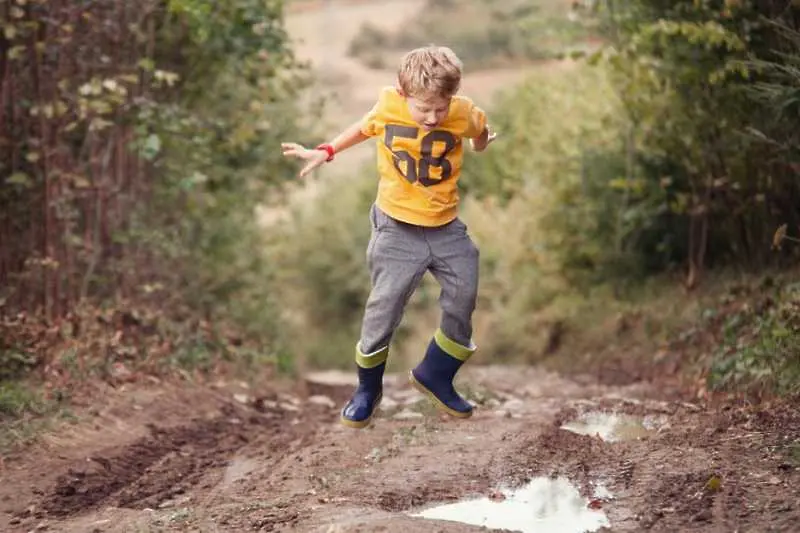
(398, 256)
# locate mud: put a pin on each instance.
(205, 460)
(159, 467)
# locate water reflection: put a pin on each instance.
(613, 427)
(544, 505)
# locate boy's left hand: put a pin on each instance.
(479, 145)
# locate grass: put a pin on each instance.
(760, 341)
(25, 413)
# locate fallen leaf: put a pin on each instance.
(714, 483)
(596, 503)
(777, 239)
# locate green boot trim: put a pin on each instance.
(452, 348)
(373, 359)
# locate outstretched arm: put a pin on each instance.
(351, 136)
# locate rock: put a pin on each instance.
(289, 399)
(388, 403)
(335, 378)
(407, 414)
(324, 401)
(515, 405)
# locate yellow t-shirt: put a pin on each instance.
(419, 169)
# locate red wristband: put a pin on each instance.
(328, 148)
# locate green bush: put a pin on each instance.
(708, 93)
(166, 143)
(218, 157)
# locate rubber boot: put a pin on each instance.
(434, 375)
(362, 405)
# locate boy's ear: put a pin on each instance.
(399, 90)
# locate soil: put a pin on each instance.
(201, 458)
(162, 456)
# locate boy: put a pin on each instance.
(420, 125)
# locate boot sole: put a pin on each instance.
(437, 402)
(360, 424)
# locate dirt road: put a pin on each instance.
(230, 459)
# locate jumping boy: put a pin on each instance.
(420, 125)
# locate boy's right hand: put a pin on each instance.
(314, 157)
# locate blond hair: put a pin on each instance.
(430, 71)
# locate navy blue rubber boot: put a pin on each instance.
(434, 375)
(362, 405)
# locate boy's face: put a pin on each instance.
(428, 111)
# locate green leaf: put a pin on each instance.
(16, 52)
(20, 178)
(147, 64)
(780, 332)
(151, 147)
(10, 32)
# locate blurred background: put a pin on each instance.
(645, 178)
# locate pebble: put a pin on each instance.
(324, 401)
(407, 414)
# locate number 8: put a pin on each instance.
(426, 151)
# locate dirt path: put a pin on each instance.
(204, 459)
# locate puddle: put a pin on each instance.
(613, 427)
(542, 506)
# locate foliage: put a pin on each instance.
(16, 400)
(767, 361)
(483, 33)
(693, 77)
(699, 162)
(129, 180)
(759, 350)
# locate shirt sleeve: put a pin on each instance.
(370, 122)
(476, 122)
